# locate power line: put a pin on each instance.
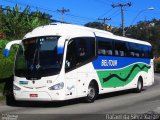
(35, 7)
(6, 9)
(114, 13)
(103, 2)
(104, 21)
(117, 13)
(75, 16)
(107, 12)
(77, 20)
(70, 15)
(122, 13)
(49, 10)
(106, 1)
(63, 11)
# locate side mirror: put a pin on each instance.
(9, 45)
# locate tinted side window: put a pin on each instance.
(79, 51)
(105, 46)
(146, 51)
(85, 48)
(121, 48)
(150, 52)
(134, 50)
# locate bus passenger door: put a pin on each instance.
(82, 80)
(70, 87)
(80, 52)
(70, 71)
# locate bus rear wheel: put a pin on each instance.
(92, 93)
(139, 85)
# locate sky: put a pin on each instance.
(84, 11)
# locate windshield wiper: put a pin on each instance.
(34, 58)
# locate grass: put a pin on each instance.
(6, 67)
(2, 87)
(6, 64)
(2, 99)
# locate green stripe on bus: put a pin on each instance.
(121, 77)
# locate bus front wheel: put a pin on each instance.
(92, 93)
(10, 100)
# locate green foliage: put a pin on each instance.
(144, 30)
(158, 65)
(2, 98)
(6, 64)
(96, 25)
(1, 87)
(15, 24)
(147, 31)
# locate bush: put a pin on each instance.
(6, 64)
(157, 65)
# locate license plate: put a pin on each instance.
(33, 95)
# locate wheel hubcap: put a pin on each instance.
(139, 85)
(91, 93)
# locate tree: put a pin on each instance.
(97, 25)
(15, 24)
(144, 30)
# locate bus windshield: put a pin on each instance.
(38, 57)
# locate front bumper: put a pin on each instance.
(38, 96)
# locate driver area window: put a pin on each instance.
(79, 52)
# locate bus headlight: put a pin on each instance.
(57, 86)
(16, 88)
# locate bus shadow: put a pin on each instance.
(40, 104)
(7, 92)
(118, 93)
(58, 104)
(8, 88)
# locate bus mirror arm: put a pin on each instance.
(9, 45)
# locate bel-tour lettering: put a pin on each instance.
(109, 63)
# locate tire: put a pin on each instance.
(92, 93)
(8, 91)
(10, 100)
(139, 85)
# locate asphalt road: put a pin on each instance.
(126, 102)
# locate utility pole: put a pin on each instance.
(63, 11)
(122, 13)
(104, 21)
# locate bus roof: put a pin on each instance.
(71, 30)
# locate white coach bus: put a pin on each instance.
(61, 61)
